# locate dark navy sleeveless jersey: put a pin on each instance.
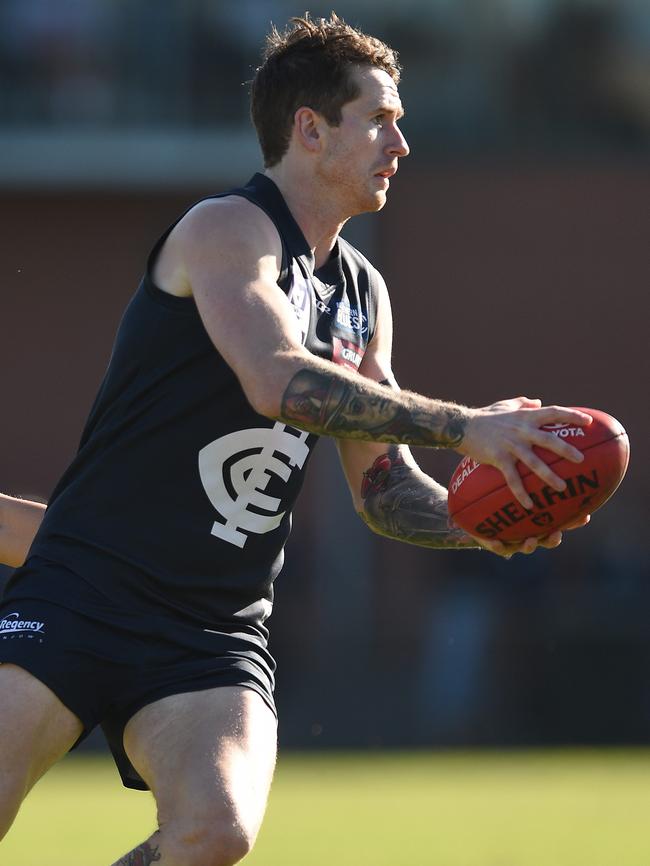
(180, 496)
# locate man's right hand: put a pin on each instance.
(505, 432)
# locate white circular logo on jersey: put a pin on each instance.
(223, 474)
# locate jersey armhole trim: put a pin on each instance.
(373, 299)
(186, 303)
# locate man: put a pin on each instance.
(256, 329)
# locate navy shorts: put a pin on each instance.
(104, 668)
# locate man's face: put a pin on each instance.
(361, 154)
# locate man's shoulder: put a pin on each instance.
(216, 233)
(226, 219)
(226, 208)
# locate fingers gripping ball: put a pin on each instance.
(481, 503)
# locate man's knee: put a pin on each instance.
(207, 842)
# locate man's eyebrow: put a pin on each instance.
(389, 109)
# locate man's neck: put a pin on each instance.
(314, 212)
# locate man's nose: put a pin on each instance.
(399, 146)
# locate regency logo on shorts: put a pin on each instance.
(12, 626)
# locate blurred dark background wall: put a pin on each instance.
(515, 244)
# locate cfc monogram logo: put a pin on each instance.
(236, 469)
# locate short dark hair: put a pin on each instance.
(310, 64)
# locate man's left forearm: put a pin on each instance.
(401, 502)
(19, 522)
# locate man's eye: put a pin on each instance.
(379, 119)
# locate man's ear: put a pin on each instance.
(308, 128)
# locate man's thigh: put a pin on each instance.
(36, 729)
(208, 756)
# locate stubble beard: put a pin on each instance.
(354, 192)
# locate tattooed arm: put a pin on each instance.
(333, 401)
(143, 855)
(345, 407)
(400, 501)
(348, 408)
(396, 499)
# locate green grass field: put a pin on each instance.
(564, 808)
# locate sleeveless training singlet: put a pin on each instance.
(179, 499)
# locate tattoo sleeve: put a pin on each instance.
(403, 503)
(347, 409)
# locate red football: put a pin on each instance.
(481, 503)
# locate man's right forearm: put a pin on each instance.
(348, 407)
(329, 400)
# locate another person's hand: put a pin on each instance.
(505, 432)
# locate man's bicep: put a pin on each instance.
(232, 255)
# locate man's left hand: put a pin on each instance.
(530, 545)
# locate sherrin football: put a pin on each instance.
(481, 503)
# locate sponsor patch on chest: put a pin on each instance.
(346, 353)
(350, 318)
